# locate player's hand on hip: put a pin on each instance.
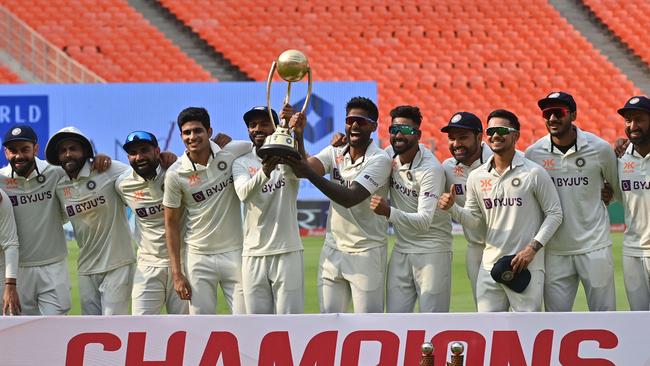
(10, 301)
(447, 199)
(182, 287)
(379, 205)
(606, 193)
(523, 259)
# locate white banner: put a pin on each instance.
(498, 339)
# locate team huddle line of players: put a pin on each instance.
(536, 223)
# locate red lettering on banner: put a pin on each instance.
(570, 347)
(507, 349)
(475, 353)
(77, 346)
(321, 349)
(413, 348)
(542, 348)
(173, 357)
(352, 347)
(221, 343)
(275, 349)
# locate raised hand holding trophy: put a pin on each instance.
(292, 66)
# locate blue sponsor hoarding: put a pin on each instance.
(106, 113)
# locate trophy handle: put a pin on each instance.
(269, 81)
(304, 106)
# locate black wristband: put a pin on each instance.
(537, 246)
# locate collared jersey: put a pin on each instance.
(9, 247)
(456, 174)
(98, 218)
(517, 207)
(357, 228)
(208, 195)
(634, 175)
(414, 192)
(270, 207)
(578, 177)
(38, 214)
(145, 197)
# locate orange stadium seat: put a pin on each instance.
(8, 77)
(110, 38)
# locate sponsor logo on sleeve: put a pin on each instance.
(369, 179)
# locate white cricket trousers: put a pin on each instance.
(107, 293)
(207, 271)
(153, 289)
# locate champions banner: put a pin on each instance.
(107, 113)
(497, 339)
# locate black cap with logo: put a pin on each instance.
(19, 133)
(502, 273)
(464, 120)
(260, 111)
(558, 97)
(638, 103)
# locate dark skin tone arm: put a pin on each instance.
(173, 238)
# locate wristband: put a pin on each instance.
(536, 246)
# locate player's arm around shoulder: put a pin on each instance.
(238, 147)
(608, 163)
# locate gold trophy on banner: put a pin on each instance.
(427, 354)
(457, 358)
(292, 66)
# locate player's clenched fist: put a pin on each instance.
(379, 205)
(182, 287)
(447, 199)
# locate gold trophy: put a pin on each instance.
(427, 354)
(292, 66)
(457, 358)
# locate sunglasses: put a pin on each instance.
(558, 112)
(360, 120)
(404, 129)
(141, 136)
(501, 131)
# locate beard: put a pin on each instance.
(72, 165)
(25, 168)
(145, 168)
(641, 140)
(401, 145)
(258, 139)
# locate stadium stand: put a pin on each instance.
(110, 38)
(8, 77)
(627, 20)
(444, 56)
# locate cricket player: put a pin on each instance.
(465, 135)
(519, 205)
(272, 262)
(141, 188)
(420, 264)
(30, 182)
(201, 183)
(634, 175)
(579, 163)
(98, 217)
(8, 257)
(353, 260)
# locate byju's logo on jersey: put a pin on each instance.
(629, 185)
(32, 110)
(488, 203)
(143, 212)
(198, 196)
(458, 188)
(321, 112)
(626, 185)
(502, 202)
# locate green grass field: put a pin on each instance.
(461, 297)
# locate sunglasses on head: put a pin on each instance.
(558, 112)
(501, 131)
(360, 120)
(138, 136)
(404, 129)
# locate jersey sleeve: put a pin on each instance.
(549, 201)
(8, 237)
(245, 184)
(238, 147)
(173, 195)
(470, 215)
(326, 157)
(375, 174)
(431, 187)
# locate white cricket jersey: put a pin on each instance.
(456, 174)
(208, 194)
(270, 207)
(578, 177)
(634, 175)
(8, 238)
(517, 207)
(38, 213)
(98, 218)
(357, 228)
(145, 197)
(414, 192)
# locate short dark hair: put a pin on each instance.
(365, 104)
(194, 114)
(502, 113)
(407, 111)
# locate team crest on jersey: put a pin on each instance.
(222, 165)
(91, 185)
(629, 167)
(516, 182)
(40, 178)
(194, 180)
(486, 185)
(549, 164)
(580, 162)
(11, 183)
(459, 171)
(138, 195)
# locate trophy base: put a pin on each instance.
(281, 151)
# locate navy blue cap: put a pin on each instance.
(465, 120)
(260, 111)
(558, 97)
(140, 136)
(639, 103)
(502, 273)
(19, 133)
